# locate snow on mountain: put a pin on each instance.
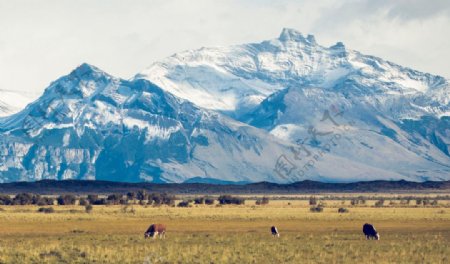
(12, 102)
(399, 116)
(283, 110)
(90, 125)
(237, 78)
(351, 128)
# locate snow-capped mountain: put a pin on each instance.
(396, 119)
(90, 125)
(282, 110)
(12, 102)
(351, 128)
(237, 78)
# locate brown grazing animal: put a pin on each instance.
(154, 230)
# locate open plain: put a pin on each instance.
(226, 234)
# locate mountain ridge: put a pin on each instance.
(307, 93)
(91, 125)
(282, 110)
(243, 75)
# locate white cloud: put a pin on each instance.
(42, 40)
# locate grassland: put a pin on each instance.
(225, 234)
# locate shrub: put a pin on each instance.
(228, 199)
(84, 201)
(131, 196)
(343, 210)
(419, 201)
(209, 201)
(312, 200)
(169, 199)
(404, 201)
(358, 200)
(316, 209)
(379, 203)
(67, 199)
(114, 198)
(101, 201)
(263, 201)
(5, 200)
(46, 210)
(183, 204)
(23, 199)
(49, 200)
(157, 198)
(199, 200)
(88, 208)
(142, 195)
(161, 199)
(92, 198)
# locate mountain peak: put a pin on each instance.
(338, 46)
(80, 81)
(289, 34)
(86, 69)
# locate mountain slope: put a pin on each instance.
(351, 128)
(12, 102)
(281, 110)
(237, 78)
(90, 125)
(395, 118)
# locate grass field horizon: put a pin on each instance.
(226, 234)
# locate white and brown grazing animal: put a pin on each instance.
(155, 230)
(274, 231)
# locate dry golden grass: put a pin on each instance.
(228, 234)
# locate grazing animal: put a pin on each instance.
(155, 230)
(370, 232)
(274, 231)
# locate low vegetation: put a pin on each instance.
(316, 209)
(262, 201)
(343, 210)
(184, 204)
(47, 210)
(228, 199)
(237, 231)
(88, 208)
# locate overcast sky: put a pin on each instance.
(42, 40)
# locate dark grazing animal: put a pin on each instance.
(370, 232)
(154, 230)
(274, 231)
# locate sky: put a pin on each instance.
(41, 40)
